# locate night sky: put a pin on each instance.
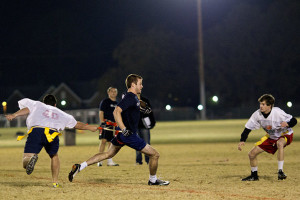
(49, 42)
(37, 36)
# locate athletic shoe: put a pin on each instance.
(159, 182)
(281, 175)
(56, 185)
(31, 164)
(99, 164)
(112, 164)
(139, 163)
(75, 170)
(251, 178)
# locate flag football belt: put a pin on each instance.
(267, 136)
(50, 137)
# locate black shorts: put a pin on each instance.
(37, 140)
(108, 135)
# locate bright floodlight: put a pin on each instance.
(4, 103)
(289, 104)
(200, 107)
(215, 99)
(63, 102)
(168, 107)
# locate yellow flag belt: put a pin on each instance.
(50, 137)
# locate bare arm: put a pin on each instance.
(101, 116)
(118, 117)
(24, 111)
(83, 126)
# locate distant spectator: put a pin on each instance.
(146, 122)
(106, 109)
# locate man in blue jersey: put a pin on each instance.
(127, 115)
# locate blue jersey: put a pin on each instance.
(108, 107)
(130, 106)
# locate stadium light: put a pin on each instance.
(168, 107)
(200, 107)
(289, 104)
(215, 99)
(63, 102)
(4, 104)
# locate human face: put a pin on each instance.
(113, 92)
(264, 108)
(138, 86)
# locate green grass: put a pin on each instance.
(192, 132)
(199, 158)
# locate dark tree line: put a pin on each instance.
(252, 50)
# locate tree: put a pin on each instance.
(166, 61)
(252, 50)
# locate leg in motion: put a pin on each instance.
(76, 168)
(153, 165)
(280, 156)
(253, 163)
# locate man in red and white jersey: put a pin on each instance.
(44, 123)
(278, 126)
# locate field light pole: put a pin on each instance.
(201, 61)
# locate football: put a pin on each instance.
(143, 104)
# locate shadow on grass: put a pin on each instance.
(111, 181)
(22, 184)
(239, 177)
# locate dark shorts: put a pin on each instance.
(36, 140)
(270, 145)
(108, 135)
(133, 141)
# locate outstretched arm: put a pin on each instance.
(83, 126)
(23, 111)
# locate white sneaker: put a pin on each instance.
(112, 164)
(99, 164)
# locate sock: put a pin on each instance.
(280, 165)
(82, 166)
(110, 161)
(152, 178)
(254, 169)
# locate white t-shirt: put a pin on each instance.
(46, 115)
(271, 124)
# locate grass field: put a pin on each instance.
(199, 158)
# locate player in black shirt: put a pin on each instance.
(106, 109)
(127, 114)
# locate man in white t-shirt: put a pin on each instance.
(44, 123)
(278, 126)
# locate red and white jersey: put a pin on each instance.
(271, 124)
(46, 115)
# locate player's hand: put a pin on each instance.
(10, 117)
(93, 128)
(284, 124)
(126, 132)
(146, 110)
(240, 145)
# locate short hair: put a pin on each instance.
(110, 88)
(50, 99)
(132, 78)
(270, 100)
